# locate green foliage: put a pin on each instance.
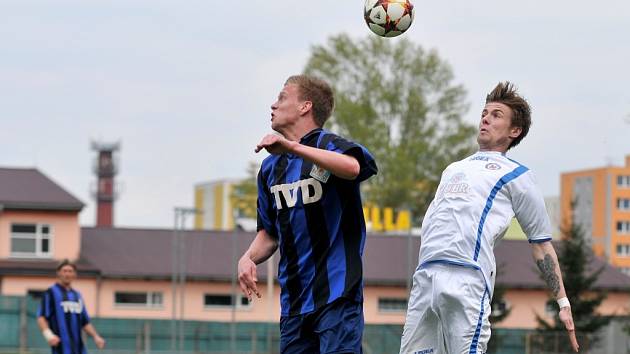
(398, 100)
(498, 312)
(498, 298)
(574, 257)
(245, 193)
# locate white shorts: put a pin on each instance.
(448, 312)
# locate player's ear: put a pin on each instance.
(515, 132)
(305, 107)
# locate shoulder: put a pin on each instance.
(515, 163)
(520, 175)
(463, 161)
(268, 163)
(332, 141)
(52, 288)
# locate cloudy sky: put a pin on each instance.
(186, 86)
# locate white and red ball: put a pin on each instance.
(388, 18)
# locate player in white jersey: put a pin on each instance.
(449, 304)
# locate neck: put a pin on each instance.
(492, 150)
(296, 132)
(497, 148)
(64, 285)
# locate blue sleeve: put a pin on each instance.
(85, 318)
(363, 156)
(44, 306)
(266, 214)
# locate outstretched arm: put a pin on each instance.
(98, 340)
(340, 165)
(547, 262)
(259, 251)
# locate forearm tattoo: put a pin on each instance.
(548, 269)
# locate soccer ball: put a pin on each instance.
(388, 18)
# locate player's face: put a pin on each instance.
(495, 130)
(286, 110)
(66, 275)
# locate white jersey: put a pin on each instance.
(474, 206)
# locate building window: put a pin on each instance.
(224, 301)
(392, 304)
(623, 227)
(623, 250)
(31, 240)
(138, 299)
(499, 307)
(623, 204)
(623, 181)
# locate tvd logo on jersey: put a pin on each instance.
(311, 190)
(72, 306)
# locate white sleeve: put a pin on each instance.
(529, 208)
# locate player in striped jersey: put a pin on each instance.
(309, 206)
(474, 204)
(62, 315)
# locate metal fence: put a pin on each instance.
(19, 334)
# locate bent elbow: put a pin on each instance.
(354, 170)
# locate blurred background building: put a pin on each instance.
(599, 200)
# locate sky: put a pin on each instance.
(186, 86)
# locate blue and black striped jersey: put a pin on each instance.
(66, 315)
(318, 220)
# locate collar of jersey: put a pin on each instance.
(304, 139)
(491, 153)
(310, 134)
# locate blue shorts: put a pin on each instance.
(336, 328)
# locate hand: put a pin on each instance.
(54, 341)
(99, 341)
(247, 277)
(275, 144)
(567, 319)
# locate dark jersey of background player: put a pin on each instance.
(318, 220)
(65, 312)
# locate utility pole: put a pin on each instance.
(178, 275)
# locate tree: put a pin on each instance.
(245, 193)
(498, 306)
(574, 257)
(399, 101)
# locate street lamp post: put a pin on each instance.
(236, 298)
(178, 275)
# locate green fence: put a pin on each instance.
(19, 334)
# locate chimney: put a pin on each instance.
(627, 160)
(105, 167)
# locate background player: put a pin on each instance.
(62, 315)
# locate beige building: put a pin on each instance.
(128, 273)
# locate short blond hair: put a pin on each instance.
(316, 91)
